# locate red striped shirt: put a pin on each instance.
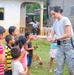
(1, 65)
(1, 49)
(1, 69)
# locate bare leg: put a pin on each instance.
(50, 64)
(29, 71)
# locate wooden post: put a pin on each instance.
(41, 20)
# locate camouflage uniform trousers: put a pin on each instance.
(65, 53)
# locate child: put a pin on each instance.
(13, 31)
(21, 44)
(53, 50)
(9, 40)
(30, 49)
(2, 51)
(17, 67)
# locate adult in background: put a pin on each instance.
(63, 29)
(35, 27)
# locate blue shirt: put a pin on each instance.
(54, 45)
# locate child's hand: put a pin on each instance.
(52, 40)
(35, 47)
(35, 37)
(32, 48)
(49, 37)
(31, 37)
(6, 68)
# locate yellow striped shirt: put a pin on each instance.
(8, 57)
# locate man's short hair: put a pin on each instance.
(12, 29)
(8, 38)
(15, 52)
(2, 30)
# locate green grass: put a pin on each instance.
(43, 51)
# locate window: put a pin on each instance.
(1, 13)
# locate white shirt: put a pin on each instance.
(17, 68)
(35, 25)
(59, 26)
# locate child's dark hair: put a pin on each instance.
(27, 33)
(8, 38)
(15, 52)
(2, 30)
(21, 41)
(12, 29)
(56, 9)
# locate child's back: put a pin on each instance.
(17, 67)
(21, 44)
(24, 60)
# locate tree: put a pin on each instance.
(30, 8)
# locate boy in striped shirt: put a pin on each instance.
(10, 40)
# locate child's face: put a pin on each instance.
(15, 33)
(12, 41)
(31, 36)
(1, 36)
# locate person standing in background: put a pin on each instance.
(53, 50)
(35, 27)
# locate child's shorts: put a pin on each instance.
(53, 53)
(29, 60)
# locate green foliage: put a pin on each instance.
(2, 10)
(44, 17)
(41, 42)
(44, 3)
(37, 17)
(31, 7)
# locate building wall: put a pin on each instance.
(67, 6)
(69, 10)
(12, 12)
